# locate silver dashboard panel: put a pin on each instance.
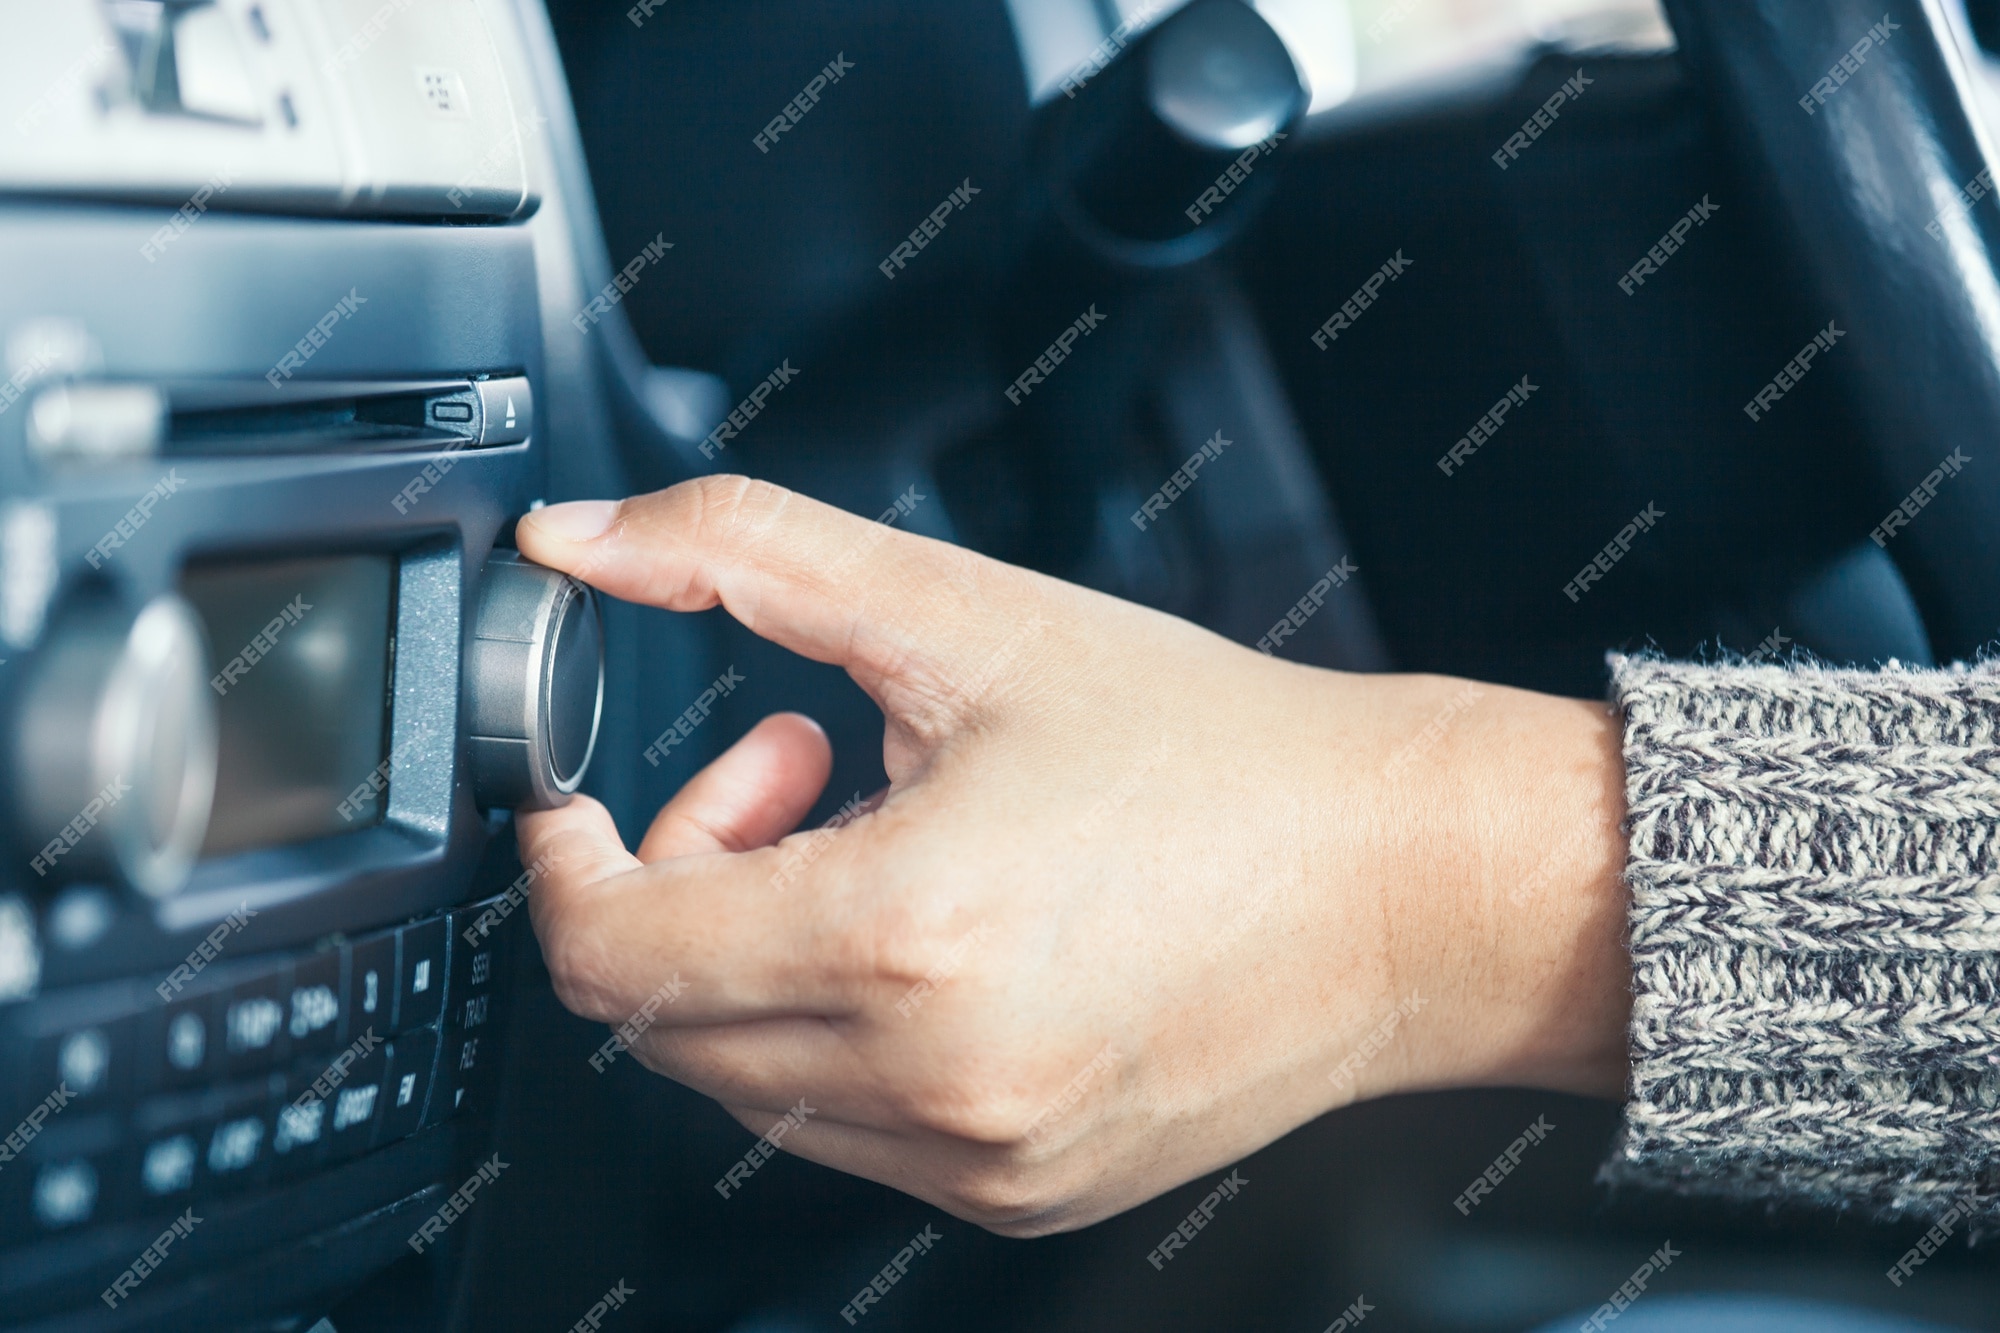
(382, 108)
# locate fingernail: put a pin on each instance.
(574, 520)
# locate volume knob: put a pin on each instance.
(534, 678)
(115, 744)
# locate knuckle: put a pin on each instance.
(996, 668)
(1028, 1228)
(904, 946)
(1005, 1196)
(724, 508)
(974, 1113)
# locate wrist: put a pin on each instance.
(1514, 929)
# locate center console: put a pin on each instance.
(272, 325)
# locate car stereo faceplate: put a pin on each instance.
(269, 679)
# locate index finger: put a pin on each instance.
(892, 607)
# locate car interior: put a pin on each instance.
(1480, 320)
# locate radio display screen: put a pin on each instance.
(299, 659)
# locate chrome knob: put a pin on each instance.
(534, 680)
(115, 744)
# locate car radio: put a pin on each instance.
(271, 677)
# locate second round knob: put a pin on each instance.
(115, 746)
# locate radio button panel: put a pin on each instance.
(125, 1151)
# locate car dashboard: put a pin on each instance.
(303, 304)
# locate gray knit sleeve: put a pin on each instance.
(1815, 933)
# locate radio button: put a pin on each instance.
(203, 1142)
(465, 1057)
(420, 974)
(355, 1107)
(76, 1176)
(84, 1064)
(236, 1146)
(468, 1072)
(167, 1168)
(236, 1153)
(171, 1131)
(412, 1064)
(469, 1013)
(371, 984)
(187, 1042)
(253, 1032)
(65, 1193)
(475, 966)
(299, 1134)
(313, 1020)
(178, 1043)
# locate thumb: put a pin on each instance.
(752, 795)
(925, 627)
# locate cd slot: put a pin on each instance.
(313, 418)
(97, 421)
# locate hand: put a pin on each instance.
(1137, 902)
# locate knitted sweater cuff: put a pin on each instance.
(1815, 934)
